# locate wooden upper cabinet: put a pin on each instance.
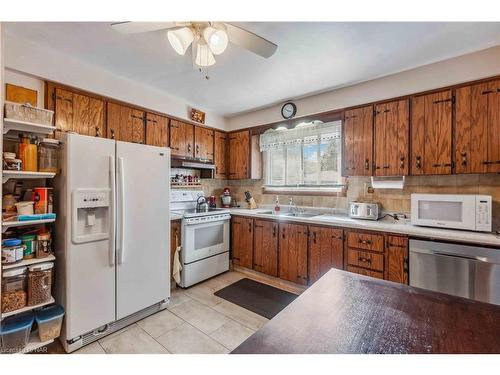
(265, 253)
(477, 128)
(326, 248)
(391, 132)
(181, 139)
(220, 155)
(125, 123)
(156, 130)
(242, 241)
(292, 258)
(203, 143)
(358, 141)
(431, 134)
(396, 259)
(75, 112)
(239, 155)
(63, 110)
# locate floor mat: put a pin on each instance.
(262, 299)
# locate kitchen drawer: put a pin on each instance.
(365, 259)
(362, 271)
(365, 241)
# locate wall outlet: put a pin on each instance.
(369, 188)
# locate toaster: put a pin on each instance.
(367, 211)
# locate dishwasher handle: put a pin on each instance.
(451, 255)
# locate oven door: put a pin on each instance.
(444, 211)
(203, 240)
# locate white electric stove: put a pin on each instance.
(205, 238)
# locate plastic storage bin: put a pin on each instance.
(39, 283)
(14, 287)
(49, 320)
(15, 332)
(28, 113)
(48, 155)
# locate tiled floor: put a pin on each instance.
(195, 322)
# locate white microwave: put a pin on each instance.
(453, 211)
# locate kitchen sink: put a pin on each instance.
(302, 214)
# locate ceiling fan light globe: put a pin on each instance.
(180, 39)
(204, 56)
(216, 39)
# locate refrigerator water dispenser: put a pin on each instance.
(90, 215)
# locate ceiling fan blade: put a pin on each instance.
(250, 41)
(129, 27)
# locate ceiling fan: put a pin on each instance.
(206, 38)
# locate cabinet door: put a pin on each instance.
(88, 116)
(63, 110)
(188, 140)
(358, 141)
(156, 130)
(220, 154)
(396, 259)
(431, 134)
(113, 114)
(204, 143)
(242, 241)
(477, 128)
(177, 138)
(326, 247)
(293, 253)
(265, 256)
(239, 155)
(137, 124)
(391, 132)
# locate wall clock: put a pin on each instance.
(288, 110)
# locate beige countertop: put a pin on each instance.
(383, 225)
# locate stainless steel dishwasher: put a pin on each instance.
(461, 270)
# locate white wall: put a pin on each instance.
(38, 63)
(460, 69)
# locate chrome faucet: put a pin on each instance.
(292, 207)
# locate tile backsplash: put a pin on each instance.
(390, 199)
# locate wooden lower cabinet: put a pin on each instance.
(292, 258)
(396, 259)
(242, 241)
(302, 253)
(265, 251)
(326, 247)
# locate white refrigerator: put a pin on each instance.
(112, 239)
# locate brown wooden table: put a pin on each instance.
(348, 313)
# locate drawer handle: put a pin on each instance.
(365, 242)
(402, 162)
(274, 231)
(363, 259)
(418, 162)
(236, 258)
(367, 164)
(464, 158)
(396, 245)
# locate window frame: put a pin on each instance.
(304, 189)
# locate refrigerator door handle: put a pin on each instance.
(112, 230)
(121, 204)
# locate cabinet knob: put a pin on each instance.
(197, 149)
(464, 158)
(402, 162)
(189, 147)
(418, 162)
(112, 134)
(367, 164)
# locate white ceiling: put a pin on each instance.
(311, 57)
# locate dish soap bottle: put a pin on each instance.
(277, 205)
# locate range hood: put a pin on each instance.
(207, 170)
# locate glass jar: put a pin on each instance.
(39, 283)
(14, 288)
(48, 155)
(44, 245)
(28, 154)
